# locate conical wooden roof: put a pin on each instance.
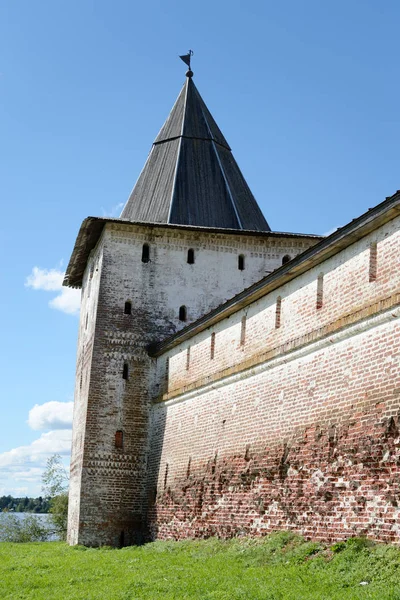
(191, 176)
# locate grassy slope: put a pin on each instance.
(280, 567)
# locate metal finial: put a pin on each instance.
(186, 59)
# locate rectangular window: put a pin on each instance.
(146, 253)
(243, 332)
(278, 310)
(212, 349)
(188, 359)
(373, 261)
(166, 475)
(320, 291)
(125, 371)
(119, 439)
(167, 375)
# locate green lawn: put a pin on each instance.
(279, 567)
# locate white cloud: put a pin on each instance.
(26, 464)
(330, 231)
(50, 280)
(30, 475)
(114, 211)
(17, 492)
(69, 301)
(36, 453)
(45, 279)
(51, 415)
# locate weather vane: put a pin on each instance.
(186, 59)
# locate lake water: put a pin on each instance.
(44, 518)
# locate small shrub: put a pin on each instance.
(359, 543)
(29, 529)
(55, 487)
(304, 551)
(281, 539)
(59, 514)
(338, 547)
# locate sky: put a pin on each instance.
(306, 94)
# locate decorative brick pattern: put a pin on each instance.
(284, 415)
(147, 267)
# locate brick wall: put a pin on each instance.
(89, 301)
(293, 427)
(108, 497)
(347, 291)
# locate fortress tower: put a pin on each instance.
(189, 238)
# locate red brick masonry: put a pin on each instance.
(297, 429)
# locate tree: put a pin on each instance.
(55, 478)
(31, 528)
(55, 485)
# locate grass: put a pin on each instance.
(281, 566)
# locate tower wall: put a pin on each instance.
(291, 424)
(109, 494)
(86, 338)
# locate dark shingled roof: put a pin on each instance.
(191, 177)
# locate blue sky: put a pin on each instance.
(305, 92)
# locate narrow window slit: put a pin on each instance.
(119, 439)
(243, 331)
(146, 253)
(212, 348)
(241, 262)
(182, 313)
(214, 463)
(128, 308)
(320, 291)
(188, 359)
(167, 375)
(373, 261)
(166, 475)
(278, 312)
(125, 371)
(190, 256)
(167, 368)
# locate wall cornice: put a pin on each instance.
(365, 318)
(339, 240)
